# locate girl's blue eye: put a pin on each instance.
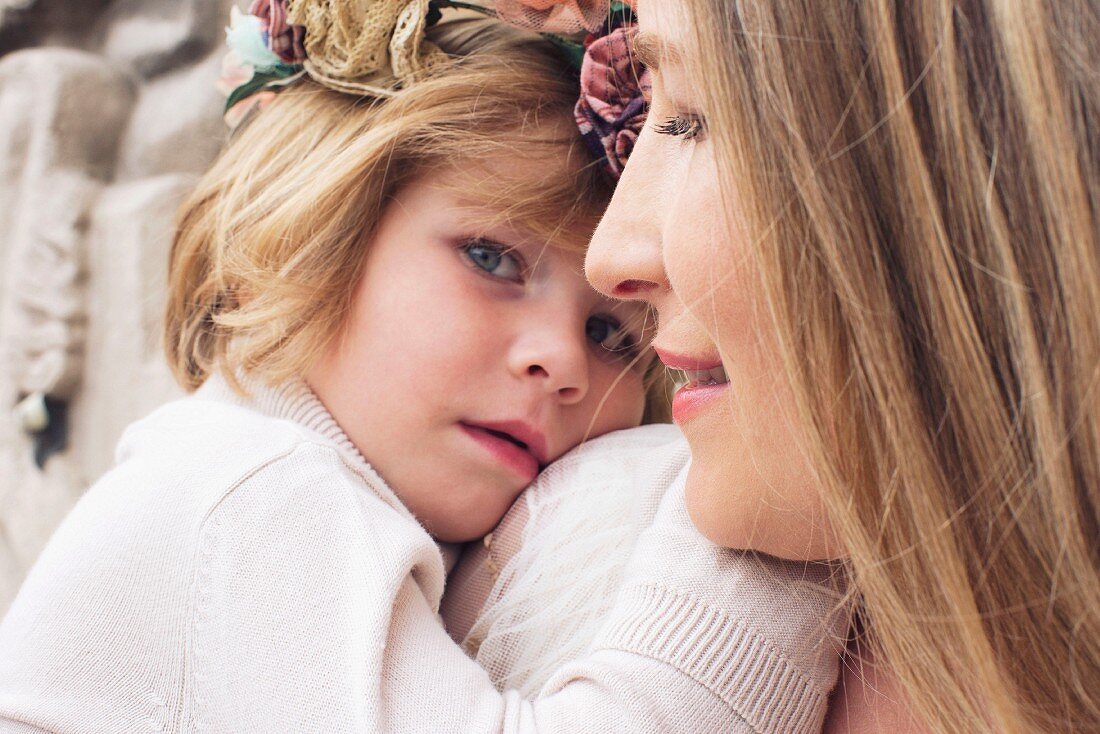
(609, 334)
(687, 127)
(495, 260)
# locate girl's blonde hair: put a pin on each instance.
(269, 246)
(921, 181)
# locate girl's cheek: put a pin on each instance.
(628, 400)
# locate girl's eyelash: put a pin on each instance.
(475, 249)
(681, 126)
(627, 347)
(624, 346)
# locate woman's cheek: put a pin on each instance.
(702, 256)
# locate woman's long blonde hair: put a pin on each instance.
(922, 183)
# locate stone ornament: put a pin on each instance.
(108, 112)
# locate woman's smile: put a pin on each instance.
(704, 381)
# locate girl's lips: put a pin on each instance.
(520, 460)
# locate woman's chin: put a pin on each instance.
(711, 507)
(742, 512)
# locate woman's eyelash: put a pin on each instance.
(681, 126)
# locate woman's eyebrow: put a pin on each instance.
(651, 50)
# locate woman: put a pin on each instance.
(872, 234)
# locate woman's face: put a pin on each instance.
(665, 240)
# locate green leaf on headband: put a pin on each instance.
(573, 51)
(260, 80)
(620, 14)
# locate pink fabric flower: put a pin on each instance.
(615, 94)
(286, 41)
(554, 16)
(236, 114)
(234, 73)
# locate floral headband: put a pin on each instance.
(361, 46)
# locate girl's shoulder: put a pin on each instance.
(205, 481)
(197, 452)
(197, 425)
(221, 428)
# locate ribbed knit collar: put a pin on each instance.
(293, 400)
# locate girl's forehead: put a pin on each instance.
(444, 201)
(495, 175)
(551, 203)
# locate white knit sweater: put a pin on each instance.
(243, 569)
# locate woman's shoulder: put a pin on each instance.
(869, 699)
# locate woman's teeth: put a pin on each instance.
(713, 376)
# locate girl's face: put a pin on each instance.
(665, 240)
(474, 356)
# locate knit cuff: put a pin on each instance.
(723, 654)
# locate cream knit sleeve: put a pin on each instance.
(535, 597)
(316, 610)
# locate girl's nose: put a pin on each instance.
(555, 354)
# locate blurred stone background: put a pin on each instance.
(108, 114)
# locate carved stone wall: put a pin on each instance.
(108, 114)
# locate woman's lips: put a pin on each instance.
(690, 399)
(687, 363)
(506, 451)
(706, 381)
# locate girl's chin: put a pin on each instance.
(472, 521)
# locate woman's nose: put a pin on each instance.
(624, 259)
(555, 354)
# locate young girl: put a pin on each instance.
(384, 351)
